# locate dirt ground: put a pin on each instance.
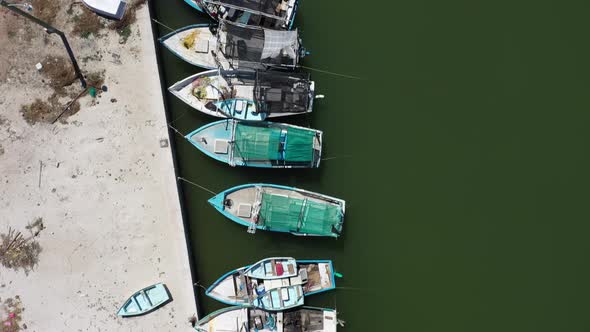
(98, 177)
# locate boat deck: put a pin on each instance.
(244, 200)
(200, 53)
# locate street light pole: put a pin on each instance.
(49, 29)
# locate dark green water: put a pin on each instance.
(463, 155)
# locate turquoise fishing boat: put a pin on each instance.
(259, 144)
(232, 46)
(249, 284)
(250, 95)
(273, 268)
(145, 300)
(273, 14)
(251, 319)
(276, 208)
(195, 4)
(278, 299)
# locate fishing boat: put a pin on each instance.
(278, 208)
(145, 300)
(251, 319)
(250, 95)
(271, 14)
(231, 46)
(261, 283)
(109, 8)
(259, 144)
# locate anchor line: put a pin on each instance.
(197, 185)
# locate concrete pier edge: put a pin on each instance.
(171, 141)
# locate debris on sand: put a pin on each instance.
(18, 252)
(61, 77)
(11, 315)
(47, 111)
(123, 27)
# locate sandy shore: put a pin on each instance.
(107, 192)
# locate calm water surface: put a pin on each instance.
(462, 154)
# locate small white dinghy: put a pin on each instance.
(110, 8)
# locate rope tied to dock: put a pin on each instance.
(197, 185)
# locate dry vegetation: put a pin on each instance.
(19, 252)
(123, 27)
(57, 71)
(88, 23)
(46, 10)
(48, 111)
(62, 78)
(11, 315)
(60, 73)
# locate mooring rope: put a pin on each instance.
(162, 24)
(178, 118)
(336, 157)
(176, 130)
(333, 73)
(197, 185)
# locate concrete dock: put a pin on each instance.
(103, 184)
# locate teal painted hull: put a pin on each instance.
(145, 301)
(194, 5)
(218, 203)
(324, 281)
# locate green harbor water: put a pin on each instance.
(462, 153)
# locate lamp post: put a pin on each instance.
(49, 29)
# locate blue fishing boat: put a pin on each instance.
(273, 268)
(145, 300)
(276, 208)
(231, 46)
(271, 14)
(244, 286)
(251, 319)
(250, 95)
(259, 144)
(278, 299)
(195, 4)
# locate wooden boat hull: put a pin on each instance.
(183, 90)
(198, 45)
(218, 141)
(237, 288)
(279, 23)
(243, 195)
(174, 41)
(145, 301)
(248, 318)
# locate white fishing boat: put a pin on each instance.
(110, 8)
(250, 319)
(231, 46)
(272, 14)
(247, 94)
